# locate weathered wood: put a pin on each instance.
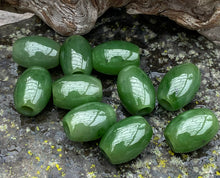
(69, 17)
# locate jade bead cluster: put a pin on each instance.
(88, 118)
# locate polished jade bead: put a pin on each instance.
(36, 51)
(76, 55)
(179, 86)
(73, 90)
(112, 56)
(126, 139)
(32, 91)
(136, 90)
(191, 130)
(89, 121)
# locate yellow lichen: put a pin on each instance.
(200, 177)
(217, 173)
(52, 146)
(63, 174)
(60, 155)
(148, 166)
(37, 128)
(179, 176)
(58, 167)
(171, 153)
(13, 124)
(209, 165)
(48, 167)
(38, 172)
(45, 141)
(155, 139)
(185, 156)
(214, 152)
(162, 163)
(59, 149)
(91, 174)
(37, 158)
(3, 127)
(140, 176)
(92, 166)
(30, 153)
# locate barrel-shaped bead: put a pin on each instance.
(89, 121)
(32, 91)
(179, 86)
(136, 90)
(112, 56)
(36, 51)
(76, 55)
(191, 130)
(73, 90)
(126, 139)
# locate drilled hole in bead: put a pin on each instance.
(27, 109)
(144, 111)
(166, 104)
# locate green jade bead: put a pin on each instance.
(76, 56)
(112, 56)
(89, 121)
(32, 91)
(179, 86)
(73, 90)
(126, 139)
(136, 91)
(191, 130)
(36, 51)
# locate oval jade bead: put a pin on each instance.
(36, 51)
(73, 90)
(126, 139)
(191, 130)
(32, 91)
(179, 86)
(76, 55)
(112, 56)
(89, 121)
(136, 90)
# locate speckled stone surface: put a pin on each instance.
(38, 147)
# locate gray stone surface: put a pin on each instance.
(38, 147)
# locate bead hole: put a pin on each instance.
(27, 109)
(144, 111)
(165, 104)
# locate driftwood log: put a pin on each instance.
(68, 17)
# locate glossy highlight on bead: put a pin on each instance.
(136, 91)
(76, 55)
(89, 121)
(32, 91)
(191, 130)
(112, 56)
(179, 86)
(73, 90)
(36, 51)
(126, 139)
